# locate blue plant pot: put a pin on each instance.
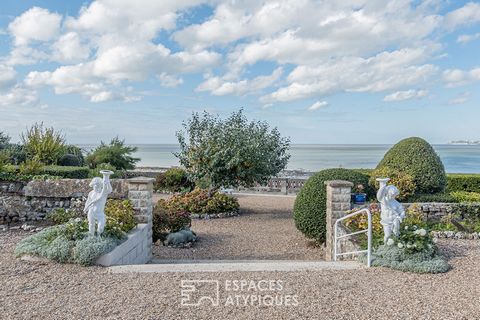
(359, 198)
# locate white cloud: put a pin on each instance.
(69, 48)
(468, 14)
(318, 105)
(385, 71)
(18, 96)
(405, 95)
(169, 81)
(35, 24)
(459, 99)
(457, 77)
(8, 77)
(466, 38)
(219, 86)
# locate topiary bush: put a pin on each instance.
(67, 172)
(70, 160)
(173, 180)
(403, 181)
(417, 158)
(310, 205)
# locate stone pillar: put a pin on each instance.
(338, 201)
(284, 186)
(140, 192)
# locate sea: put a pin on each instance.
(314, 157)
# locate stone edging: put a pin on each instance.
(220, 215)
(455, 235)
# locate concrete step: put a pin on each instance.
(164, 266)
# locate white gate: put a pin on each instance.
(368, 231)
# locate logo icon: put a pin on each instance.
(198, 292)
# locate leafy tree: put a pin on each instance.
(230, 152)
(116, 153)
(43, 144)
(4, 140)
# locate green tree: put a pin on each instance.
(230, 152)
(116, 153)
(4, 140)
(43, 144)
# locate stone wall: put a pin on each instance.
(433, 211)
(20, 202)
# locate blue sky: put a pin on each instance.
(322, 72)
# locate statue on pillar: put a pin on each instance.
(392, 212)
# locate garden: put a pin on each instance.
(192, 199)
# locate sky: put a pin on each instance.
(329, 71)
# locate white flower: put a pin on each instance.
(406, 227)
(409, 245)
(435, 240)
(422, 232)
(390, 242)
(400, 245)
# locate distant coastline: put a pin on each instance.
(465, 142)
(457, 158)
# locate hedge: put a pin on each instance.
(310, 205)
(67, 172)
(417, 158)
(463, 182)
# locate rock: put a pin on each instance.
(180, 238)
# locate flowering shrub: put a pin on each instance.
(165, 222)
(403, 181)
(412, 239)
(173, 180)
(360, 222)
(413, 250)
(120, 214)
(199, 201)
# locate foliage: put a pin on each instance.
(173, 180)
(445, 224)
(88, 249)
(231, 152)
(360, 222)
(4, 140)
(200, 201)
(70, 160)
(465, 196)
(31, 167)
(417, 158)
(43, 144)
(435, 197)
(310, 205)
(165, 222)
(463, 182)
(120, 213)
(116, 153)
(15, 153)
(415, 216)
(414, 250)
(76, 152)
(403, 181)
(468, 210)
(104, 166)
(67, 172)
(68, 242)
(61, 216)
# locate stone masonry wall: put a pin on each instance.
(20, 202)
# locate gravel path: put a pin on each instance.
(54, 291)
(264, 230)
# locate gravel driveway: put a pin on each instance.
(54, 291)
(264, 230)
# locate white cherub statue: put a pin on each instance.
(392, 212)
(95, 205)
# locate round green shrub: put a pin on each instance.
(174, 180)
(417, 158)
(310, 205)
(70, 160)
